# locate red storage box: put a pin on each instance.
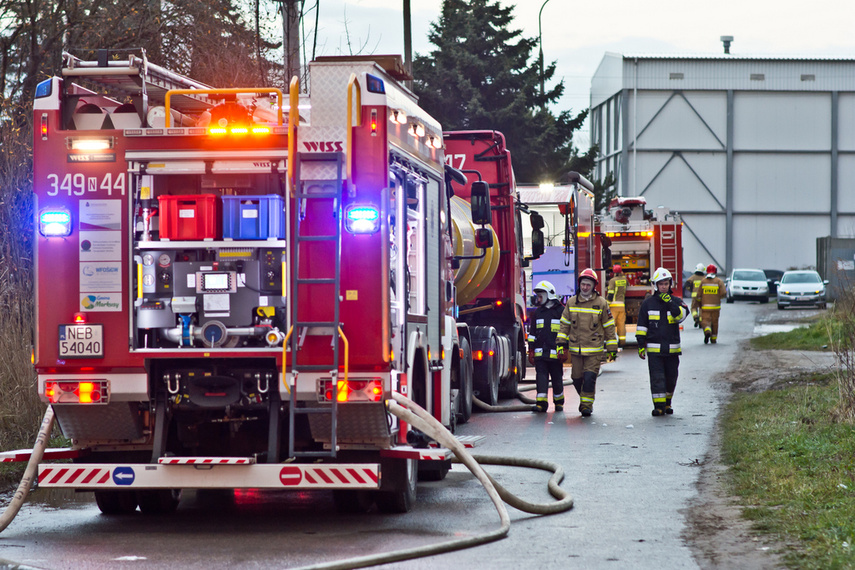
(190, 217)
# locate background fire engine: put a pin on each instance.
(639, 240)
(238, 277)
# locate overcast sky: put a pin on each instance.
(576, 34)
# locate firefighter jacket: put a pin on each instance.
(616, 290)
(658, 328)
(543, 330)
(712, 291)
(586, 326)
(695, 279)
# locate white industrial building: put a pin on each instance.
(756, 153)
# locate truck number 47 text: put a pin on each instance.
(79, 184)
(450, 160)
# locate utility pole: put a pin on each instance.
(540, 57)
(291, 39)
(408, 43)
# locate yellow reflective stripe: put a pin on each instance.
(653, 316)
(609, 323)
(710, 307)
(561, 336)
(617, 304)
(565, 321)
(586, 350)
(584, 310)
(554, 326)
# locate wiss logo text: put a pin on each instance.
(324, 146)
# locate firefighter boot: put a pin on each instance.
(658, 410)
(559, 402)
(707, 335)
(540, 406)
(586, 403)
(668, 409)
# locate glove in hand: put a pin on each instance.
(642, 353)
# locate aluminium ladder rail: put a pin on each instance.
(316, 328)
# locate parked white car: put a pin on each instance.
(804, 288)
(748, 284)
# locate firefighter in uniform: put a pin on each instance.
(695, 280)
(543, 350)
(658, 336)
(616, 296)
(711, 292)
(586, 328)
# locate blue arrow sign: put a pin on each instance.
(123, 476)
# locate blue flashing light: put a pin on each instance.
(375, 84)
(55, 223)
(44, 88)
(362, 219)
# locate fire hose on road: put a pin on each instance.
(410, 412)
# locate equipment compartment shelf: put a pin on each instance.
(211, 244)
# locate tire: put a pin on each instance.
(352, 501)
(730, 300)
(398, 491)
(822, 306)
(116, 502)
(488, 383)
(433, 470)
(764, 300)
(464, 395)
(780, 307)
(511, 386)
(158, 501)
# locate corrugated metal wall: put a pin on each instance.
(757, 154)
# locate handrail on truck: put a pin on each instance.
(293, 119)
(228, 91)
(351, 82)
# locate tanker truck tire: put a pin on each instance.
(116, 502)
(158, 501)
(511, 386)
(464, 396)
(487, 373)
(398, 490)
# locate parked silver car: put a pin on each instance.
(801, 288)
(748, 284)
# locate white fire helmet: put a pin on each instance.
(660, 275)
(548, 288)
(700, 268)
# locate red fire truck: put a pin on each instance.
(491, 286)
(231, 283)
(639, 240)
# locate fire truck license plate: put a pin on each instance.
(81, 341)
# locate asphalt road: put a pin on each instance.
(631, 475)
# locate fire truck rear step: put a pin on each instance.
(134, 476)
(326, 328)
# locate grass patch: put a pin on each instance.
(794, 468)
(815, 336)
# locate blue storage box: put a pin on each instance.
(253, 217)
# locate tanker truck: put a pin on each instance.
(489, 261)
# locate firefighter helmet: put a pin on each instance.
(617, 268)
(700, 268)
(547, 288)
(711, 269)
(589, 274)
(661, 274)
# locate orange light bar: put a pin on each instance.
(258, 130)
(217, 131)
(239, 130)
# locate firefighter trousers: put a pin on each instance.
(619, 314)
(663, 370)
(696, 310)
(584, 371)
(709, 322)
(546, 369)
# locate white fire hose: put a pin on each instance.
(410, 412)
(30, 472)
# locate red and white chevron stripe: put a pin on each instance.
(79, 476)
(206, 460)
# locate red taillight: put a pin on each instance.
(498, 303)
(43, 129)
(479, 355)
(84, 392)
(361, 390)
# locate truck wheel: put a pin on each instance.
(158, 501)
(352, 501)
(489, 389)
(116, 502)
(512, 383)
(398, 483)
(464, 395)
